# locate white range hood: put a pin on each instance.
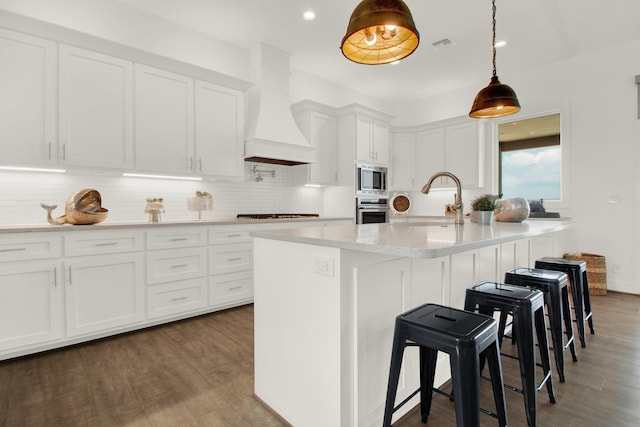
(272, 134)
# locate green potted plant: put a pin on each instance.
(483, 207)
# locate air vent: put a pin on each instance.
(445, 43)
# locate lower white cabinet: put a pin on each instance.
(174, 298)
(176, 264)
(31, 301)
(226, 289)
(103, 292)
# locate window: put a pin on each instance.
(531, 158)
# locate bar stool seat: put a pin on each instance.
(461, 334)
(526, 306)
(576, 270)
(553, 285)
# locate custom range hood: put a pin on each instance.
(272, 134)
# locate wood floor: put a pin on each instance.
(199, 372)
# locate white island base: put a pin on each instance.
(326, 301)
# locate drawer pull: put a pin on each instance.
(234, 235)
(235, 288)
(180, 239)
(13, 250)
(180, 266)
(107, 244)
(234, 259)
(179, 298)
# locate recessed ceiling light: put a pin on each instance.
(309, 15)
(501, 43)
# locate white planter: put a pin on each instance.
(481, 217)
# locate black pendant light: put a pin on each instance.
(380, 32)
(497, 99)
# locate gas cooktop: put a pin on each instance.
(276, 215)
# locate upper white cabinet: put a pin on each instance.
(28, 101)
(402, 168)
(455, 146)
(319, 125)
(164, 121)
(95, 109)
(219, 130)
(372, 141)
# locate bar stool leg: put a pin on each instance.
(587, 301)
(397, 352)
(555, 324)
(495, 369)
(543, 345)
(576, 292)
(428, 361)
(568, 323)
(465, 373)
(523, 325)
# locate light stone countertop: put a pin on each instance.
(106, 225)
(415, 239)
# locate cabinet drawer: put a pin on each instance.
(231, 258)
(176, 264)
(174, 298)
(176, 238)
(230, 234)
(102, 242)
(231, 288)
(20, 247)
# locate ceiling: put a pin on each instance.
(538, 32)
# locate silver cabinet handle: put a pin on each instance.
(234, 235)
(13, 250)
(107, 244)
(70, 278)
(55, 277)
(64, 151)
(179, 298)
(235, 288)
(179, 266)
(200, 163)
(190, 162)
(49, 150)
(181, 239)
(234, 259)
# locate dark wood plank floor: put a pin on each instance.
(199, 372)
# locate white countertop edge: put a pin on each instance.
(27, 228)
(297, 236)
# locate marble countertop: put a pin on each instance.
(415, 239)
(106, 225)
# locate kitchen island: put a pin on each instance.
(326, 299)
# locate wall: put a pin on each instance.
(22, 192)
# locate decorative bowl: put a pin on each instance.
(513, 209)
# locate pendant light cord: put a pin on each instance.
(493, 41)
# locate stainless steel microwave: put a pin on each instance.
(371, 180)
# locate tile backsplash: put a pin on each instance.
(22, 192)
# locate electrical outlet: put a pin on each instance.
(322, 265)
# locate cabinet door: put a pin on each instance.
(429, 156)
(487, 264)
(382, 291)
(323, 136)
(230, 289)
(219, 131)
(31, 300)
(27, 104)
(403, 161)
(462, 154)
(96, 109)
(104, 292)
(164, 121)
(364, 139)
(380, 143)
(462, 277)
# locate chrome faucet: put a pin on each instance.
(458, 200)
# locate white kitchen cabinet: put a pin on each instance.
(31, 294)
(95, 109)
(28, 85)
(219, 131)
(454, 148)
(175, 298)
(230, 289)
(513, 255)
(403, 164)
(176, 264)
(462, 276)
(319, 125)
(164, 121)
(372, 141)
(104, 292)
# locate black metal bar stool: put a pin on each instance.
(461, 334)
(556, 297)
(526, 306)
(579, 282)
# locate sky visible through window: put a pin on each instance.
(532, 173)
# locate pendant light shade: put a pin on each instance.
(497, 99)
(380, 32)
